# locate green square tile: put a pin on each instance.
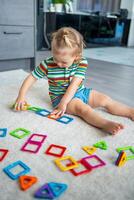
(17, 135)
(33, 108)
(130, 148)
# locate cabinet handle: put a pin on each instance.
(16, 33)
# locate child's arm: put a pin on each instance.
(79, 76)
(71, 90)
(21, 101)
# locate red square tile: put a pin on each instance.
(50, 152)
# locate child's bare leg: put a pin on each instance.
(98, 99)
(77, 107)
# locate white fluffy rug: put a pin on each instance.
(106, 183)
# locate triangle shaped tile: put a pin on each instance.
(57, 188)
(27, 181)
(44, 192)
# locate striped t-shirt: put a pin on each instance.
(59, 78)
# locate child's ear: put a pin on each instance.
(76, 58)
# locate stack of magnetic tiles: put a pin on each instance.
(34, 143)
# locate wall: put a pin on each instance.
(131, 33)
(129, 4)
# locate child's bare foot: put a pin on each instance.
(131, 115)
(112, 127)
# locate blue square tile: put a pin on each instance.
(25, 170)
(3, 132)
(65, 119)
(43, 112)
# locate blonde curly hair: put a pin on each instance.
(70, 38)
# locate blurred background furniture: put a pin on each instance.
(17, 34)
(97, 30)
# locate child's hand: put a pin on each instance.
(20, 104)
(60, 110)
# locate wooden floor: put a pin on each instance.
(113, 79)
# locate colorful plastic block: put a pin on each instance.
(89, 150)
(36, 143)
(85, 162)
(65, 119)
(85, 171)
(7, 169)
(33, 108)
(27, 181)
(101, 145)
(42, 112)
(3, 132)
(27, 147)
(46, 113)
(4, 151)
(49, 150)
(121, 160)
(130, 148)
(25, 106)
(57, 188)
(16, 134)
(39, 136)
(52, 116)
(72, 165)
(44, 192)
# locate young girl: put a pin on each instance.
(65, 72)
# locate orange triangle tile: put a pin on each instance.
(27, 181)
